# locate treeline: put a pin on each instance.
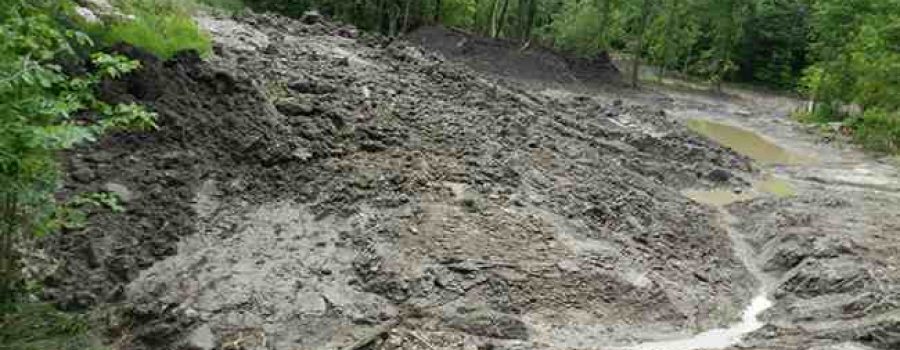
(843, 54)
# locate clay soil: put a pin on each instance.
(312, 187)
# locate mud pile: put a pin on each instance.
(313, 188)
(523, 62)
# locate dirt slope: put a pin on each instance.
(308, 189)
(522, 62)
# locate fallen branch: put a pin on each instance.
(379, 333)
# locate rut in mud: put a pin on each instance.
(311, 187)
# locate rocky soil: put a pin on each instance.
(313, 187)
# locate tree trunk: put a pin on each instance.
(526, 15)
(636, 60)
(501, 19)
(438, 10)
(8, 261)
(405, 26)
(490, 19)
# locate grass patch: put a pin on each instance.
(163, 35)
(40, 326)
(162, 27)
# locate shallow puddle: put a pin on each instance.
(747, 143)
(721, 197)
(778, 188)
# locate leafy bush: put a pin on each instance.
(877, 130)
(858, 65)
(43, 110)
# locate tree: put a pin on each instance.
(775, 45)
(725, 27)
(643, 19)
(672, 34)
(43, 111)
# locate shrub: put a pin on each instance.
(878, 130)
(43, 110)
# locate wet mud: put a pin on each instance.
(313, 187)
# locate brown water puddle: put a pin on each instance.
(747, 143)
(721, 197)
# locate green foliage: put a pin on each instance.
(232, 6)
(587, 28)
(162, 27)
(43, 110)
(672, 35)
(36, 326)
(162, 35)
(878, 130)
(857, 50)
(459, 14)
(107, 200)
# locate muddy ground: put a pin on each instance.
(313, 187)
(524, 62)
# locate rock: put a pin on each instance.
(492, 324)
(311, 87)
(302, 154)
(125, 195)
(842, 346)
(311, 17)
(719, 175)
(86, 14)
(102, 10)
(82, 173)
(814, 277)
(191, 314)
(349, 33)
(201, 338)
(290, 107)
(372, 146)
(568, 266)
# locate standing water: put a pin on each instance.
(721, 338)
(747, 143)
(763, 151)
(717, 338)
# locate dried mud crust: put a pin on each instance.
(309, 188)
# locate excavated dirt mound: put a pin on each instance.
(513, 60)
(311, 189)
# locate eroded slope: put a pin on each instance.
(311, 188)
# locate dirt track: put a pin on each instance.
(311, 188)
